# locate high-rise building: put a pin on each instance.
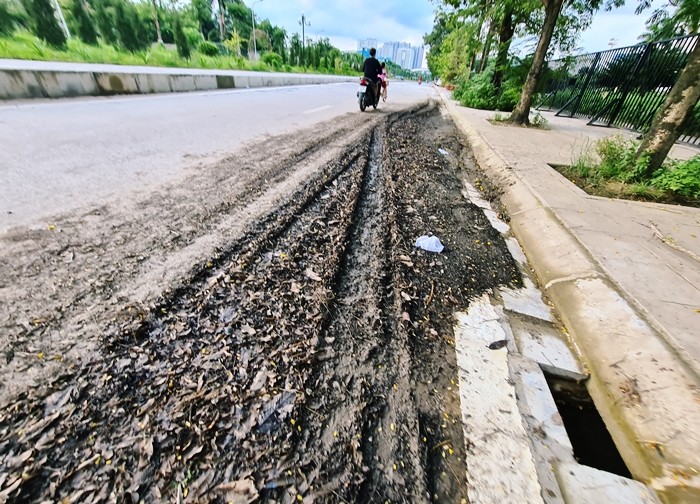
(400, 53)
(404, 57)
(418, 57)
(366, 44)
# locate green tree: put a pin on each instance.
(84, 26)
(278, 39)
(680, 103)
(664, 24)
(295, 50)
(105, 16)
(240, 20)
(183, 45)
(45, 23)
(12, 15)
(128, 25)
(552, 10)
(203, 15)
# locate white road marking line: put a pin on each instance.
(311, 111)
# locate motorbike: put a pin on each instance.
(367, 95)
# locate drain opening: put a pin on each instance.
(593, 445)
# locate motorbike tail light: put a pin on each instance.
(363, 82)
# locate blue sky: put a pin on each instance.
(346, 21)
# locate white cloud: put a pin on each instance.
(351, 20)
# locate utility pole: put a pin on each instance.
(57, 6)
(304, 23)
(252, 16)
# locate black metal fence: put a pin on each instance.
(621, 87)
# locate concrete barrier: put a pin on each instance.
(41, 83)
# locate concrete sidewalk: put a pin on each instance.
(54, 79)
(630, 301)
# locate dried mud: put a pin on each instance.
(311, 359)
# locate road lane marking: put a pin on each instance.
(311, 111)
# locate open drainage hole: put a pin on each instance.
(593, 445)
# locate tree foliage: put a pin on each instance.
(45, 23)
(181, 41)
(12, 15)
(85, 28)
(191, 25)
(130, 27)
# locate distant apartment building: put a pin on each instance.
(366, 44)
(400, 53)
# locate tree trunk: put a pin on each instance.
(487, 48)
(505, 36)
(155, 18)
(522, 110)
(222, 27)
(673, 114)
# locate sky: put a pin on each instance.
(346, 21)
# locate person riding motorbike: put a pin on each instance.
(371, 70)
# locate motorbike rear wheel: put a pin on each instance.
(362, 102)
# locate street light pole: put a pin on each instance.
(252, 16)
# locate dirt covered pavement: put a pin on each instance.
(308, 357)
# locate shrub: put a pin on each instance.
(213, 35)
(208, 49)
(681, 177)
(272, 59)
(477, 91)
(194, 36)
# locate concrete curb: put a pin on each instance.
(44, 83)
(644, 391)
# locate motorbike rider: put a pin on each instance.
(371, 70)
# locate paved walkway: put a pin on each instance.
(630, 300)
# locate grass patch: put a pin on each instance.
(23, 45)
(610, 171)
(537, 120)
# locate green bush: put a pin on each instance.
(209, 49)
(479, 92)
(272, 59)
(680, 177)
(616, 157)
(194, 36)
(617, 162)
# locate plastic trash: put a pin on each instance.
(443, 152)
(429, 243)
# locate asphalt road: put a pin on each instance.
(59, 155)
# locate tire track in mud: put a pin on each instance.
(127, 252)
(362, 384)
(310, 360)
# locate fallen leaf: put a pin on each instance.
(312, 275)
(239, 492)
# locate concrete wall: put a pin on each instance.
(18, 84)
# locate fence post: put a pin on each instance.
(591, 71)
